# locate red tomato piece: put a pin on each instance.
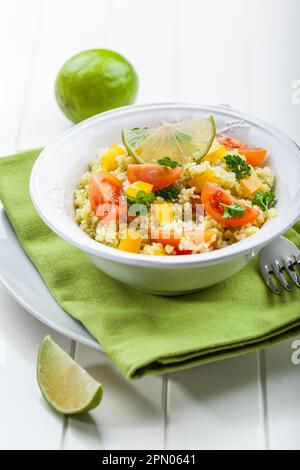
(159, 175)
(254, 155)
(230, 143)
(169, 238)
(106, 196)
(183, 252)
(166, 237)
(212, 196)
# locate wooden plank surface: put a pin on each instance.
(131, 415)
(26, 421)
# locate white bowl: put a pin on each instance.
(58, 170)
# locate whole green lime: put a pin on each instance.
(94, 81)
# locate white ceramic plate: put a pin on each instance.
(25, 284)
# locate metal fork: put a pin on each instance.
(279, 262)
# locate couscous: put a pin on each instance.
(150, 196)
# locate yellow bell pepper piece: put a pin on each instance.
(137, 186)
(108, 159)
(217, 152)
(250, 185)
(163, 212)
(131, 241)
(199, 180)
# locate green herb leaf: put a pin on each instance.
(264, 200)
(235, 210)
(142, 197)
(166, 161)
(236, 164)
(169, 193)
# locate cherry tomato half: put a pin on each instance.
(212, 196)
(106, 196)
(254, 155)
(159, 175)
(169, 238)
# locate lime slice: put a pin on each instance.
(183, 141)
(66, 386)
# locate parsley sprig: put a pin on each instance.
(238, 166)
(142, 198)
(169, 193)
(235, 210)
(167, 161)
(265, 200)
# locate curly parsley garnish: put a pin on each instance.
(169, 193)
(264, 200)
(238, 166)
(143, 198)
(167, 161)
(235, 210)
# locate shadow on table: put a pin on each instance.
(139, 395)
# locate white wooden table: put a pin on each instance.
(242, 52)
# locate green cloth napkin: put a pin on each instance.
(145, 334)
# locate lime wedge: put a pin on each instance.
(183, 141)
(66, 386)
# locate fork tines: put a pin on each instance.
(280, 272)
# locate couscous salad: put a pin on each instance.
(176, 189)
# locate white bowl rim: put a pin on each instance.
(251, 247)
